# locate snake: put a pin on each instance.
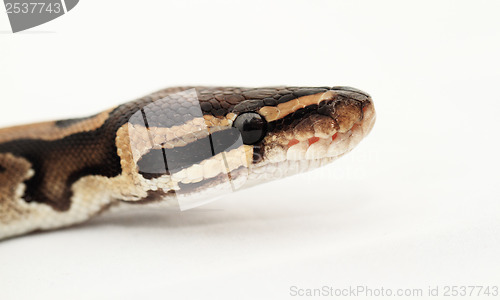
(177, 147)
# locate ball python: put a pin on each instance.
(171, 147)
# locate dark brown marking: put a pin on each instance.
(153, 196)
(249, 106)
(15, 171)
(298, 115)
(309, 91)
(350, 89)
(69, 122)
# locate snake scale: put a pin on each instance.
(171, 147)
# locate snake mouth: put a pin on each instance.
(321, 136)
(325, 146)
(335, 143)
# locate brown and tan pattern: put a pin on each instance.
(54, 130)
(13, 172)
(176, 144)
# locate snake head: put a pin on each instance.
(204, 138)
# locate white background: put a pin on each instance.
(417, 203)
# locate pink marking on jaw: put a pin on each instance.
(313, 140)
(293, 142)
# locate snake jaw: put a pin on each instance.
(335, 130)
(321, 147)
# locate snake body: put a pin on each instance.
(170, 147)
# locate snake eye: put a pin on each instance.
(252, 126)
